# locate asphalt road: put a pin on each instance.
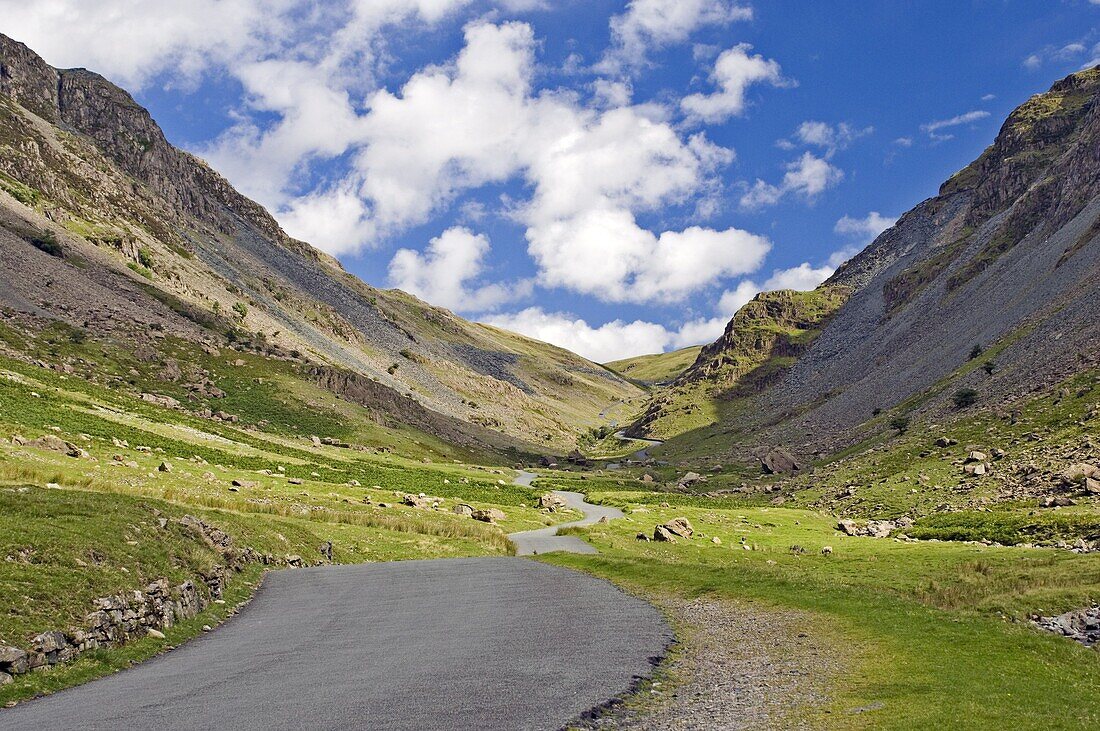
(488, 643)
(547, 540)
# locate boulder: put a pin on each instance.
(975, 456)
(946, 442)
(663, 534)
(848, 527)
(977, 469)
(463, 509)
(1078, 473)
(155, 634)
(5, 679)
(164, 467)
(691, 478)
(13, 660)
(779, 461)
(679, 527)
(551, 502)
(417, 501)
(488, 515)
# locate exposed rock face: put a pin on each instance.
(106, 163)
(1008, 252)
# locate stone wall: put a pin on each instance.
(135, 614)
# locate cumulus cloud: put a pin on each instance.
(607, 342)
(807, 177)
(648, 25)
(619, 339)
(933, 128)
(864, 229)
(828, 137)
(733, 73)
(443, 272)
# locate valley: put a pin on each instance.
(874, 504)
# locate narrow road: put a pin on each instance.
(547, 540)
(491, 643)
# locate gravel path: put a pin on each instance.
(739, 666)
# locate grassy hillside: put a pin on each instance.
(658, 367)
(108, 227)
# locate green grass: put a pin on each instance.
(934, 631)
(657, 367)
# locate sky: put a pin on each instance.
(614, 177)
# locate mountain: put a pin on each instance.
(991, 285)
(656, 367)
(108, 228)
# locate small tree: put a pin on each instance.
(989, 366)
(241, 309)
(976, 351)
(965, 397)
(901, 423)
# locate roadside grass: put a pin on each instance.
(941, 627)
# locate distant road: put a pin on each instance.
(547, 540)
(487, 643)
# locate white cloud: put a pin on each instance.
(826, 136)
(807, 177)
(904, 142)
(933, 128)
(608, 342)
(441, 274)
(648, 25)
(734, 72)
(131, 41)
(864, 229)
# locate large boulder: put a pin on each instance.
(1077, 474)
(779, 461)
(488, 515)
(663, 534)
(679, 527)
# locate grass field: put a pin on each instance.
(934, 632)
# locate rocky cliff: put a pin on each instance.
(1005, 257)
(106, 226)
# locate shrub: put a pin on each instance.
(145, 257)
(989, 366)
(241, 309)
(976, 351)
(900, 423)
(46, 241)
(964, 397)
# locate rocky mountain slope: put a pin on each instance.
(1004, 262)
(105, 226)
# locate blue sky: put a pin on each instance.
(614, 177)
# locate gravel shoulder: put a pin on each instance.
(735, 666)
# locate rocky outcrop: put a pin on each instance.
(1081, 625)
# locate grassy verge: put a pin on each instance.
(936, 632)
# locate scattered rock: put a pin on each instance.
(551, 503)
(826, 550)
(1082, 625)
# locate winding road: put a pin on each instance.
(486, 643)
